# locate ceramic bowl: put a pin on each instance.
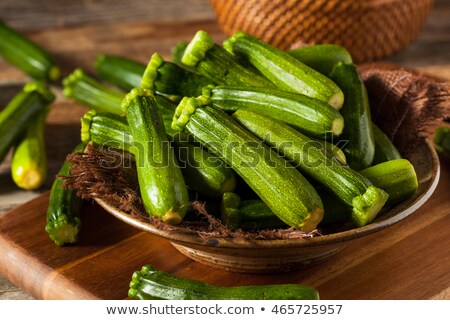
(263, 256)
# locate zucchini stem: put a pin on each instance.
(89, 92)
(215, 63)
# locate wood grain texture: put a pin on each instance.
(407, 261)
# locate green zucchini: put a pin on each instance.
(229, 210)
(287, 193)
(397, 177)
(163, 190)
(91, 93)
(122, 72)
(322, 57)
(311, 116)
(106, 129)
(332, 150)
(442, 139)
(358, 133)
(250, 215)
(178, 51)
(348, 185)
(20, 112)
(169, 78)
(335, 210)
(215, 63)
(63, 213)
(29, 162)
(202, 171)
(284, 70)
(27, 55)
(384, 148)
(151, 284)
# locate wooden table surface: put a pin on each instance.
(75, 32)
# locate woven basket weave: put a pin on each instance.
(369, 29)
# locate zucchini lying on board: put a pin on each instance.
(63, 213)
(29, 162)
(27, 55)
(33, 99)
(152, 284)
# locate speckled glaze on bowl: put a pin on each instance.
(265, 256)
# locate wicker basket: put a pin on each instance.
(369, 29)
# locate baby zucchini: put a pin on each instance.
(348, 185)
(27, 55)
(163, 190)
(322, 57)
(311, 116)
(169, 78)
(122, 72)
(284, 70)
(247, 214)
(360, 148)
(442, 139)
(384, 148)
(91, 93)
(63, 213)
(397, 177)
(151, 284)
(287, 193)
(29, 162)
(20, 112)
(215, 63)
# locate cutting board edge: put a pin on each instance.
(13, 255)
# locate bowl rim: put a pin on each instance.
(193, 239)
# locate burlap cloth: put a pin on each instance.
(404, 104)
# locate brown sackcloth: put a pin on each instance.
(405, 105)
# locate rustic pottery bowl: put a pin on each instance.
(369, 29)
(258, 256)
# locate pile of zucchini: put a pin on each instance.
(22, 121)
(279, 139)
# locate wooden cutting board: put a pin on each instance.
(410, 260)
